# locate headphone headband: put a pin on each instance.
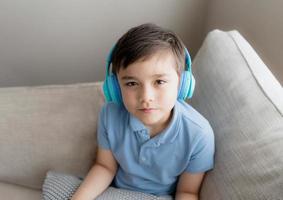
(109, 60)
(188, 61)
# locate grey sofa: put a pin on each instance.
(54, 127)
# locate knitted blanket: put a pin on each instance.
(60, 186)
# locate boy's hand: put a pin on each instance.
(99, 177)
(188, 186)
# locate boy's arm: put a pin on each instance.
(99, 177)
(188, 186)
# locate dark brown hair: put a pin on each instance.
(143, 41)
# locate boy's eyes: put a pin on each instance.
(132, 83)
(159, 82)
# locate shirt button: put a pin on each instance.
(143, 159)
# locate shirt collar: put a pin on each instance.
(168, 135)
(136, 124)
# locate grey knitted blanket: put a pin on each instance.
(60, 186)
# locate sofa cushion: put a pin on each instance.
(58, 185)
(15, 192)
(243, 101)
(47, 127)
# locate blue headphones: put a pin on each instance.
(112, 91)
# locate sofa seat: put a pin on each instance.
(15, 192)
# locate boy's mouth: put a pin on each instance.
(147, 110)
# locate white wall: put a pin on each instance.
(260, 21)
(66, 41)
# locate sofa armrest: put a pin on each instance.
(242, 100)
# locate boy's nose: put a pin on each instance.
(146, 94)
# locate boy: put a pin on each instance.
(149, 139)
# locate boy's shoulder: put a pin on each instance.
(191, 116)
(112, 111)
(111, 106)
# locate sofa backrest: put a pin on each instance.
(47, 128)
(243, 102)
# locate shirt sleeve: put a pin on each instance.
(202, 157)
(102, 136)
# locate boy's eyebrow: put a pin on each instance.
(128, 77)
(155, 75)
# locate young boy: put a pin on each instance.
(149, 139)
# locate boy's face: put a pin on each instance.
(150, 88)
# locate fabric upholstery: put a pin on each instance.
(247, 119)
(16, 192)
(47, 127)
(61, 186)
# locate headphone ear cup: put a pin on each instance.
(187, 85)
(111, 89)
(117, 95)
(106, 91)
(183, 88)
(192, 87)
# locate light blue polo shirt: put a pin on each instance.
(153, 165)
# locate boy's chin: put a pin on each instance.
(153, 120)
(148, 120)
